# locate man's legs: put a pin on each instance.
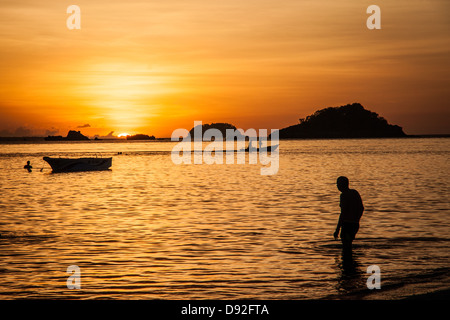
(348, 233)
(347, 240)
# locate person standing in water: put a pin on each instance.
(352, 209)
(28, 166)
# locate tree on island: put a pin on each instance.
(349, 121)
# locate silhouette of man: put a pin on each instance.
(28, 166)
(351, 211)
(250, 146)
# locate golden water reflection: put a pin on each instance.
(150, 229)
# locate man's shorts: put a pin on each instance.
(349, 230)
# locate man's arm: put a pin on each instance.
(342, 205)
(361, 206)
(338, 228)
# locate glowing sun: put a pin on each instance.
(123, 135)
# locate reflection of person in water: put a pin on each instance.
(351, 211)
(28, 166)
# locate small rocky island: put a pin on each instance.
(140, 137)
(349, 121)
(222, 127)
(71, 136)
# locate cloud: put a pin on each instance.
(51, 132)
(5, 133)
(22, 132)
(108, 136)
(87, 125)
(18, 132)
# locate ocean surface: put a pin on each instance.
(151, 229)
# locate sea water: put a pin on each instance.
(150, 229)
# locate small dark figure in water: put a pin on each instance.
(351, 211)
(28, 166)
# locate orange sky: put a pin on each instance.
(154, 66)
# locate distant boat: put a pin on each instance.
(78, 164)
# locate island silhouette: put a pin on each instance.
(222, 127)
(78, 136)
(140, 136)
(71, 136)
(349, 121)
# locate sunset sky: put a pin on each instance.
(154, 66)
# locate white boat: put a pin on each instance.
(78, 164)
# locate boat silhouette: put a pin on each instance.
(78, 164)
(250, 148)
